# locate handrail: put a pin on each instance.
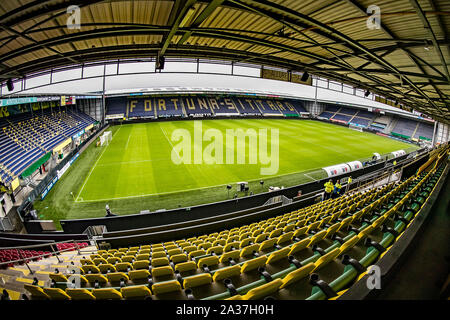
(54, 252)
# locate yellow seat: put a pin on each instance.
(87, 262)
(36, 292)
(245, 242)
(348, 244)
(142, 264)
(332, 229)
(166, 286)
(300, 223)
(231, 245)
(302, 244)
(173, 252)
(285, 237)
(267, 244)
(275, 233)
(190, 248)
(249, 250)
(56, 294)
(216, 249)
(297, 275)
(227, 272)
(98, 261)
(105, 267)
(300, 232)
(123, 267)
(128, 258)
(158, 254)
(230, 254)
(138, 274)
(365, 233)
(345, 223)
(197, 280)
(162, 271)
(113, 260)
(209, 261)
(107, 294)
(278, 255)
(261, 237)
(91, 278)
(313, 226)
(323, 260)
(90, 269)
(80, 294)
(186, 266)
(253, 264)
(135, 292)
(319, 236)
(145, 256)
(58, 277)
(263, 290)
(179, 258)
(117, 277)
(158, 262)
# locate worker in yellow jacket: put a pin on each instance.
(329, 186)
(336, 190)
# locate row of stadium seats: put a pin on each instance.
(27, 137)
(348, 115)
(322, 249)
(190, 106)
(34, 255)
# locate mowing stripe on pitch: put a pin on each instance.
(95, 164)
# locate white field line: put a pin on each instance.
(182, 190)
(129, 136)
(95, 164)
(309, 176)
(170, 142)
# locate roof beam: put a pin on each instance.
(179, 17)
(213, 5)
(11, 30)
(426, 25)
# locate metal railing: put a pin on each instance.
(53, 253)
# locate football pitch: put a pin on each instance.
(140, 160)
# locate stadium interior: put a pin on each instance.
(97, 202)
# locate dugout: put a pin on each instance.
(398, 153)
(337, 169)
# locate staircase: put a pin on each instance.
(390, 126)
(14, 278)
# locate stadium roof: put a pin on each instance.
(406, 59)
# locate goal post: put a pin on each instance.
(105, 138)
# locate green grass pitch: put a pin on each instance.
(136, 172)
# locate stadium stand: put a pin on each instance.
(314, 253)
(27, 137)
(405, 128)
(424, 131)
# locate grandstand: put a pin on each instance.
(27, 137)
(333, 240)
(223, 150)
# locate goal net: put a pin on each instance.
(357, 128)
(105, 138)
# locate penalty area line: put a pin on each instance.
(95, 164)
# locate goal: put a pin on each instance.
(353, 127)
(105, 138)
